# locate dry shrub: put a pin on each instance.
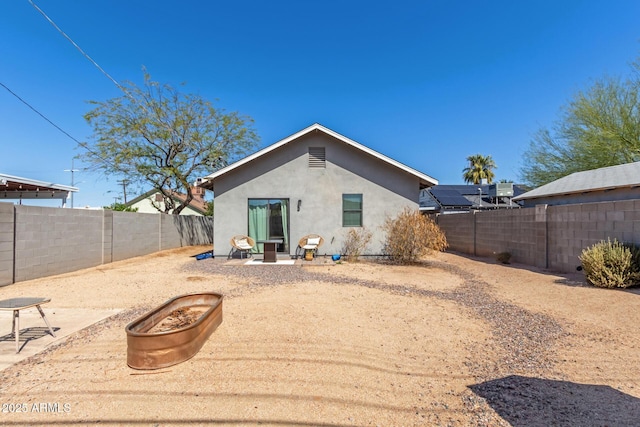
(503, 257)
(411, 235)
(611, 264)
(355, 243)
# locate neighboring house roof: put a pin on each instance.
(425, 180)
(197, 204)
(464, 197)
(449, 197)
(612, 177)
(14, 187)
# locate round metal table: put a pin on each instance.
(17, 304)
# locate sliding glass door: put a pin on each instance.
(269, 219)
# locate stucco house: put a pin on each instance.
(153, 202)
(314, 181)
(620, 182)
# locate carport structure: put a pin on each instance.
(17, 188)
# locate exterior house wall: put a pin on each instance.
(40, 241)
(285, 173)
(145, 206)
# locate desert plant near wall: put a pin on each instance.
(355, 243)
(503, 257)
(611, 264)
(411, 235)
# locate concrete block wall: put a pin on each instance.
(40, 241)
(6, 243)
(170, 236)
(460, 231)
(135, 234)
(513, 231)
(543, 236)
(572, 228)
(494, 233)
(51, 241)
(107, 237)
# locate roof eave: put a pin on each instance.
(37, 183)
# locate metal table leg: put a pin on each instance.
(45, 320)
(16, 331)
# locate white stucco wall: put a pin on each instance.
(145, 206)
(285, 173)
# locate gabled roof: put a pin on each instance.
(611, 177)
(425, 180)
(14, 187)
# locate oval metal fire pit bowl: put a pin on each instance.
(173, 332)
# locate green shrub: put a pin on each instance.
(355, 243)
(410, 236)
(611, 264)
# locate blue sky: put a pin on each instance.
(427, 83)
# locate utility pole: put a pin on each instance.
(124, 183)
(72, 170)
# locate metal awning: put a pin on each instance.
(17, 188)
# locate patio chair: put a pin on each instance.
(241, 244)
(309, 244)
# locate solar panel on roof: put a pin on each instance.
(443, 192)
(447, 197)
(454, 201)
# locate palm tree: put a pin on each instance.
(480, 167)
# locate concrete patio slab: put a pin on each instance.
(34, 334)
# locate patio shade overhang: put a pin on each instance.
(13, 187)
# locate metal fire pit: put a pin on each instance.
(147, 349)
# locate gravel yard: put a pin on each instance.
(451, 341)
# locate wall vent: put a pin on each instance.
(317, 158)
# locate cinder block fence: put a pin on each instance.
(39, 241)
(551, 237)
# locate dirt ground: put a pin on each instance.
(453, 341)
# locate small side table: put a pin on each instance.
(17, 304)
(270, 249)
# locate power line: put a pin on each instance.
(42, 115)
(82, 144)
(77, 47)
(122, 88)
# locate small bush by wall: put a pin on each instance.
(355, 243)
(412, 235)
(611, 264)
(503, 257)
